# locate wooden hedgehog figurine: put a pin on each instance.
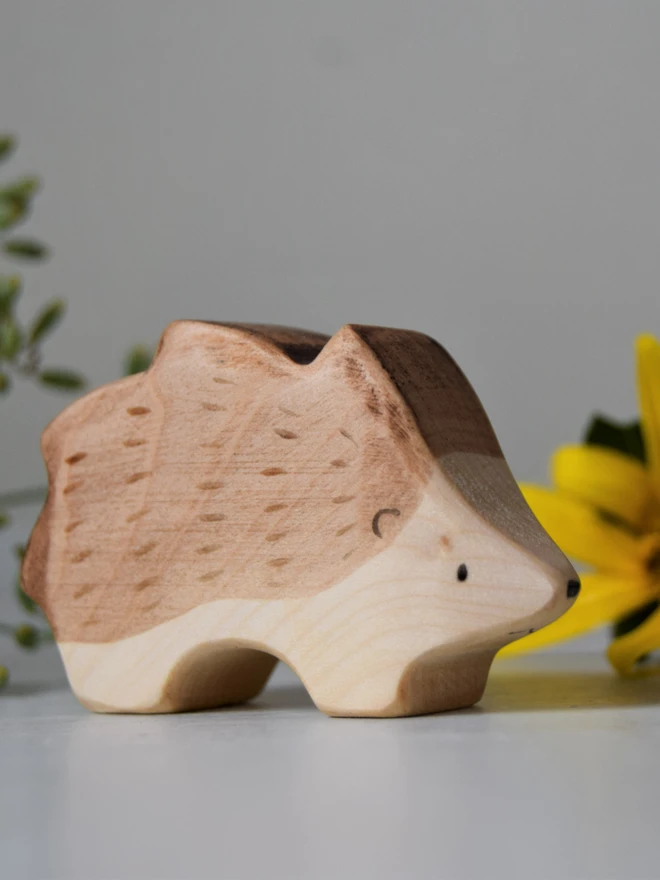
(262, 493)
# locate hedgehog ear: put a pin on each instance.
(345, 347)
(349, 355)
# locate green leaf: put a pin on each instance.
(4, 676)
(22, 189)
(63, 380)
(11, 212)
(11, 339)
(27, 636)
(5, 383)
(4, 519)
(634, 619)
(10, 287)
(7, 145)
(137, 360)
(26, 248)
(25, 601)
(626, 438)
(46, 320)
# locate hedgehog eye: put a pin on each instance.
(462, 572)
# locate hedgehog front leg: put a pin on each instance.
(432, 682)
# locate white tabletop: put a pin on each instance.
(555, 774)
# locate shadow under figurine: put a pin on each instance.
(262, 493)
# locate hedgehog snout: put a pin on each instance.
(573, 588)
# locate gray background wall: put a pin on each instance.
(486, 172)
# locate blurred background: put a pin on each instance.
(488, 173)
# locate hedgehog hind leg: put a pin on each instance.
(110, 678)
(213, 675)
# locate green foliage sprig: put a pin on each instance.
(21, 345)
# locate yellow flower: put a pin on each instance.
(604, 510)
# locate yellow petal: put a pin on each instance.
(648, 385)
(582, 533)
(605, 479)
(603, 599)
(625, 652)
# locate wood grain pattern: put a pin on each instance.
(266, 493)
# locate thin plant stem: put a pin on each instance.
(19, 497)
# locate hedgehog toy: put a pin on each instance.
(260, 494)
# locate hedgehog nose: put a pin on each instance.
(572, 589)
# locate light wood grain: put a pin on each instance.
(264, 493)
